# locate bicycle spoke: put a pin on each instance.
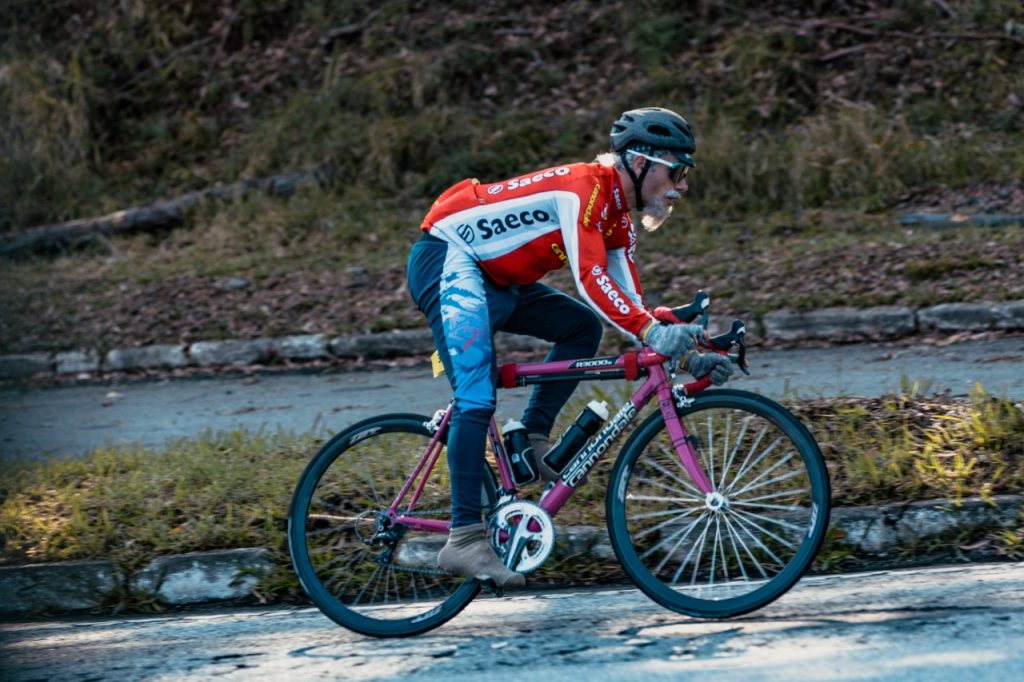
(767, 519)
(366, 586)
(743, 472)
(795, 492)
(686, 560)
(632, 497)
(740, 503)
(714, 552)
(746, 523)
(666, 487)
(669, 522)
(687, 530)
(737, 537)
(661, 512)
(753, 448)
(739, 439)
(711, 449)
(781, 462)
(673, 456)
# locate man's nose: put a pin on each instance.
(682, 186)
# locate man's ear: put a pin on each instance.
(637, 164)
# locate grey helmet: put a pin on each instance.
(655, 127)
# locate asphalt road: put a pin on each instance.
(934, 624)
(71, 420)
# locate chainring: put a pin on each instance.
(523, 534)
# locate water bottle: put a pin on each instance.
(572, 441)
(520, 453)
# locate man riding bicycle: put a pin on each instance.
(476, 270)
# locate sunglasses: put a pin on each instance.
(676, 169)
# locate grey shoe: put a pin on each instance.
(540, 445)
(467, 553)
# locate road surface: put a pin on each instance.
(934, 625)
(73, 419)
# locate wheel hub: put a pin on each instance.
(716, 502)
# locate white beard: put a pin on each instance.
(657, 212)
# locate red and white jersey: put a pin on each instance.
(518, 230)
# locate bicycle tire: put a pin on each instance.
(334, 512)
(766, 532)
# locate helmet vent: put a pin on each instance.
(659, 130)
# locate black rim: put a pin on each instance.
(361, 572)
(722, 556)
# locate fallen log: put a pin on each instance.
(166, 214)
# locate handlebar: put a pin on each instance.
(699, 307)
(721, 344)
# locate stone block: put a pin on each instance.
(55, 587)
(304, 347)
(204, 576)
(840, 324)
(504, 341)
(1009, 315)
(235, 352)
(76, 362)
(145, 357)
(587, 541)
(388, 344)
(880, 530)
(25, 365)
(956, 317)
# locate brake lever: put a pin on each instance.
(698, 308)
(741, 357)
(736, 336)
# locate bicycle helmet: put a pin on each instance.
(660, 129)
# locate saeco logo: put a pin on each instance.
(491, 226)
(523, 182)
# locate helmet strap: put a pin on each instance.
(637, 181)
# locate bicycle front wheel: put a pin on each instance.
(364, 573)
(747, 542)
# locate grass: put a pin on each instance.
(296, 252)
(129, 504)
(150, 99)
(232, 489)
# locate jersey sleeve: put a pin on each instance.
(606, 280)
(623, 271)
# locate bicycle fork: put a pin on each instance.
(682, 441)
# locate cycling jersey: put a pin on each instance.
(520, 229)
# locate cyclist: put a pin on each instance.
(476, 269)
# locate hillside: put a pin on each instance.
(816, 123)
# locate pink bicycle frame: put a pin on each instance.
(628, 366)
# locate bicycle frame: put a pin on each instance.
(628, 366)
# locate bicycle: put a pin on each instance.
(717, 503)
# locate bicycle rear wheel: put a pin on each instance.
(365, 574)
(745, 544)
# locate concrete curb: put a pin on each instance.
(176, 580)
(208, 577)
(828, 324)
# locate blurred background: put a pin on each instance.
(818, 123)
